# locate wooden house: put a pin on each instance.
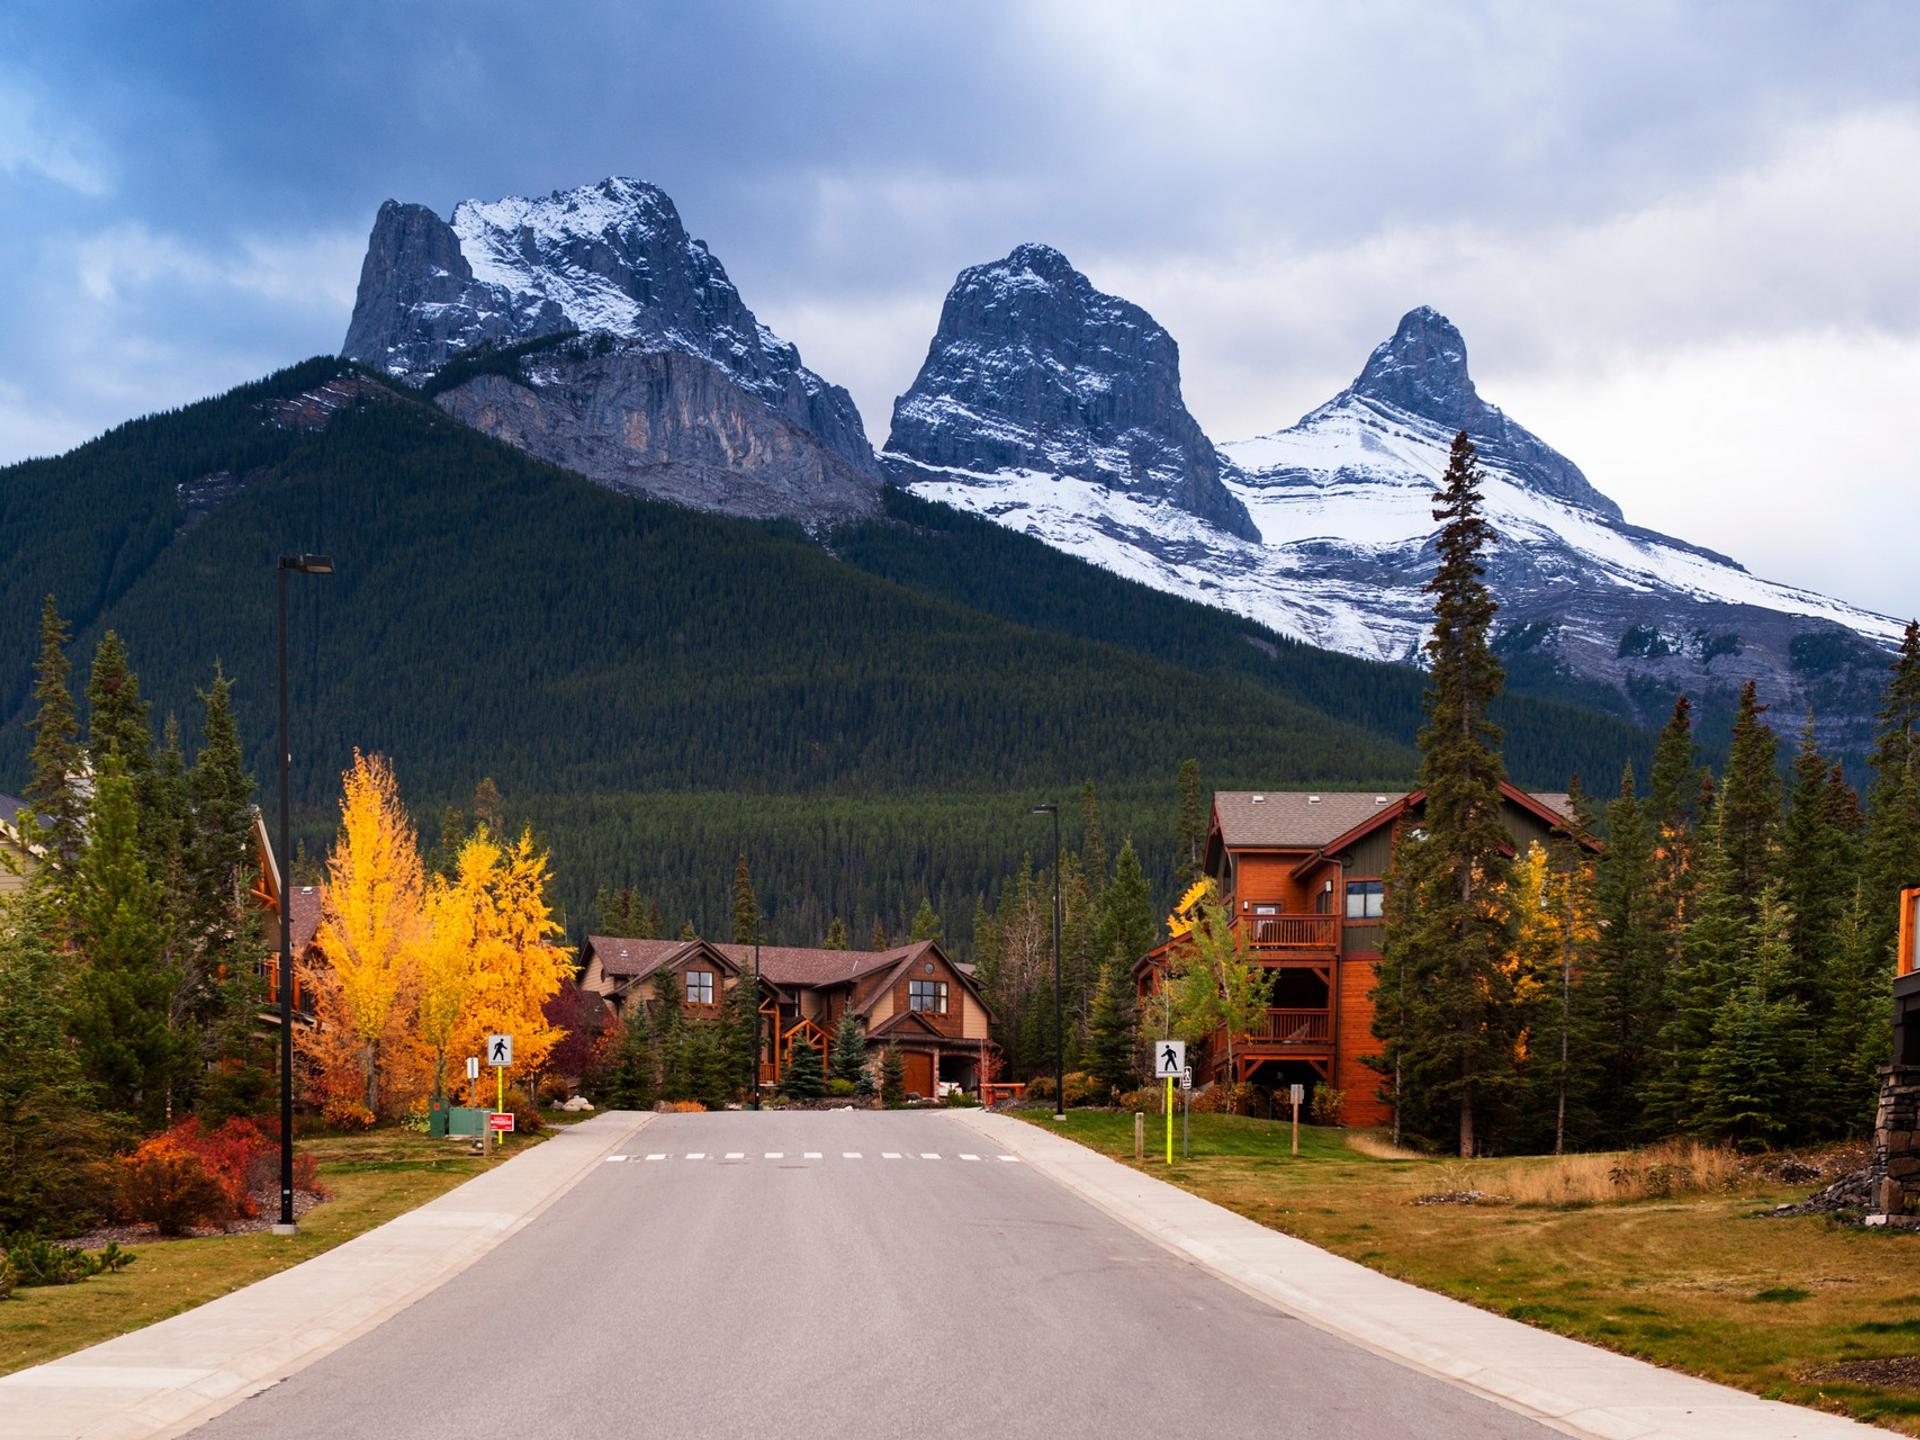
(1303, 873)
(18, 858)
(913, 998)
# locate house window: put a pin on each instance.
(1366, 899)
(699, 987)
(927, 995)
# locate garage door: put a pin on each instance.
(919, 1071)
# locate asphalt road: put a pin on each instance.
(820, 1295)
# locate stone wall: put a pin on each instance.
(1896, 1147)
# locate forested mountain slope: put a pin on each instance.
(657, 687)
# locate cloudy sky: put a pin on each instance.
(1683, 240)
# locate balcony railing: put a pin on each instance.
(1295, 932)
(1294, 1027)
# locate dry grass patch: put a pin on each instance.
(1659, 1172)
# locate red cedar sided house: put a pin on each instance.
(1303, 874)
(913, 998)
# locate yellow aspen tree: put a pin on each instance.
(461, 924)
(519, 967)
(370, 920)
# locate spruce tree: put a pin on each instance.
(1190, 828)
(1855, 1022)
(878, 940)
(849, 1058)
(836, 938)
(746, 908)
(1711, 960)
(893, 1079)
(744, 1027)
(122, 1014)
(54, 793)
(1819, 861)
(1454, 1022)
(1126, 921)
(1749, 802)
(668, 1024)
(220, 921)
(1753, 1077)
(1622, 995)
(1112, 1055)
(624, 911)
(1892, 859)
(926, 924)
(630, 1083)
(803, 1079)
(116, 715)
(1675, 790)
(687, 932)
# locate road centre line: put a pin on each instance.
(849, 1154)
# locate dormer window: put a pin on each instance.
(699, 987)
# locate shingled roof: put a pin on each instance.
(798, 965)
(1309, 819)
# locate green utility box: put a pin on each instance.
(466, 1120)
(437, 1117)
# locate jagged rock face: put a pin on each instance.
(1422, 370)
(1342, 505)
(1032, 369)
(660, 422)
(607, 260)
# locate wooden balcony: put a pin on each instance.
(1307, 1029)
(1294, 932)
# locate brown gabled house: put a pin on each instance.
(1303, 874)
(913, 998)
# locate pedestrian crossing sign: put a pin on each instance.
(1169, 1059)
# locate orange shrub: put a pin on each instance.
(171, 1188)
(348, 1115)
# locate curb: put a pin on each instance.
(1564, 1384)
(176, 1374)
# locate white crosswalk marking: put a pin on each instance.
(849, 1154)
(969, 1157)
(615, 1159)
(811, 1155)
(736, 1155)
(776, 1154)
(1010, 1159)
(698, 1155)
(928, 1155)
(656, 1157)
(889, 1154)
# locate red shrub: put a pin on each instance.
(233, 1155)
(170, 1187)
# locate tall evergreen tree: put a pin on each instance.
(1893, 799)
(1711, 958)
(803, 1079)
(624, 911)
(746, 908)
(116, 715)
(849, 1058)
(1753, 1077)
(219, 917)
(669, 1042)
(743, 1028)
(1855, 1024)
(879, 940)
(836, 938)
(54, 793)
(1126, 920)
(1190, 830)
(1453, 1030)
(926, 924)
(1749, 801)
(893, 1078)
(1112, 1054)
(122, 1014)
(1675, 790)
(1819, 861)
(630, 1081)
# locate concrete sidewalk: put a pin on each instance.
(174, 1375)
(1578, 1388)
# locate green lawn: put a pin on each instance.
(373, 1178)
(1698, 1283)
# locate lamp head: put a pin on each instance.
(308, 564)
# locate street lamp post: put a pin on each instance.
(1059, 1026)
(306, 565)
(756, 1022)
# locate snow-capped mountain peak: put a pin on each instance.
(1341, 540)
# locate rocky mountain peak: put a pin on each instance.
(1421, 371)
(1033, 369)
(673, 388)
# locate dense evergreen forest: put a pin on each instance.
(655, 689)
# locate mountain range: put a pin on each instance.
(589, 329)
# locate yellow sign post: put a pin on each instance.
(500, 1056)
(1169, 1064)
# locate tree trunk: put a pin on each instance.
(1466, 1120)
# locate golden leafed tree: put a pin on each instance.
(366, 983)
(462, 928)
(518, 966)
